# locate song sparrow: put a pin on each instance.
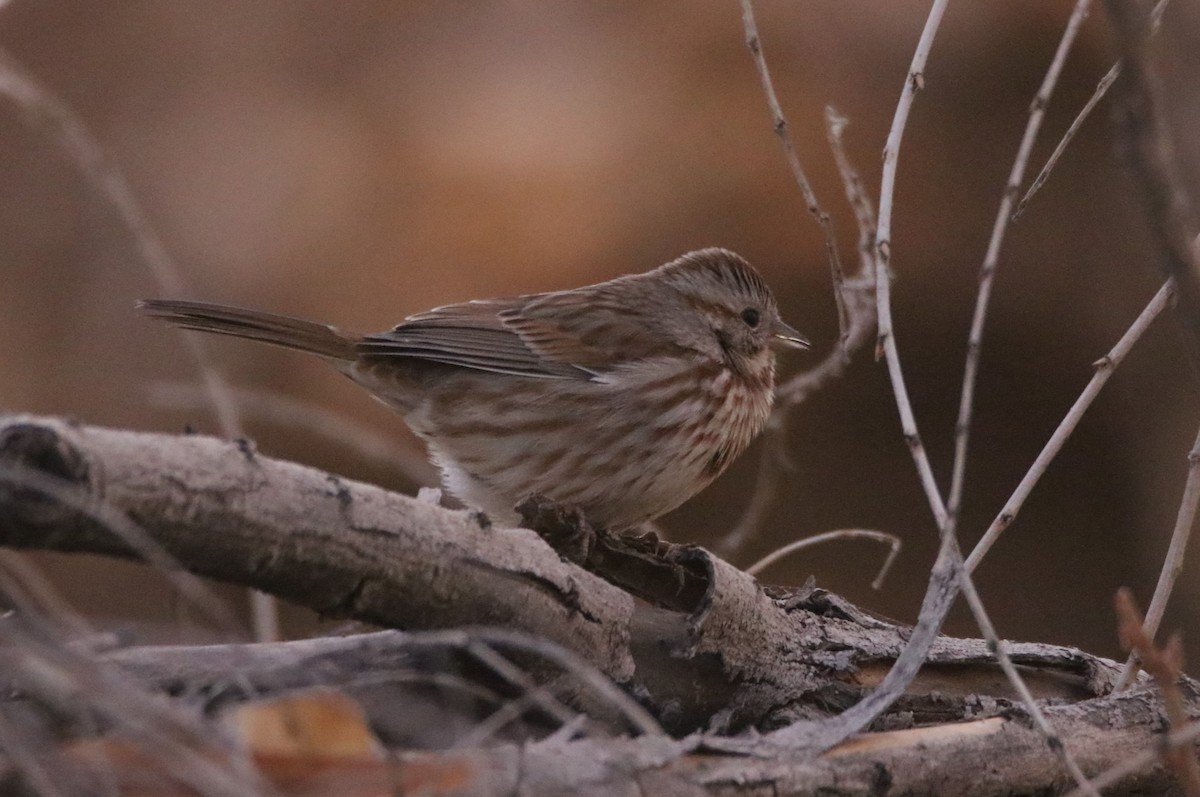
(623, 398)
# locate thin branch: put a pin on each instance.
(891, 540)
(1000, 651)
(858, 290)
(854, 187)
(887, 342)
(987, 272)
(1173, 562)
(859, 294)
(1101, 89)
(509, 712)
(532, 693)
(780, 126)
(1104, 369)
(857, 297)
(914, 81)
(55, 675)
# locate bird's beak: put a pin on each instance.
(785, 335)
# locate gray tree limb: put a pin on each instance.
(700, 645)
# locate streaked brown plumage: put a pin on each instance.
(623, 398)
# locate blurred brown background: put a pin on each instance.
(357, 162)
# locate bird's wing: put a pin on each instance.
(471, 335)
(569, 335)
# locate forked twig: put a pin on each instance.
(531, 693)
(887, 343)
(780, 126)
(1101, 89)
(1089, 106)
(891, 540)
(858, 290)
(987, 272)
(854, 295)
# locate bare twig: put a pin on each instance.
(987, 272)
(780, 125)
(1101, 89)
(1000, 651)
(856, 305)
(1173, 562)
(891, 540)
(914, 81)
(887, 343)
(1104, 369)
(858, 289)
(511, 711)
(1165, 665)
(939, 597)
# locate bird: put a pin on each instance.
(621, 399)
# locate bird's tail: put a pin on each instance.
(280, 330)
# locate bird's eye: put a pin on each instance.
(750, 316)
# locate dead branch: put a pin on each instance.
(339, 547)
(700, 644)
